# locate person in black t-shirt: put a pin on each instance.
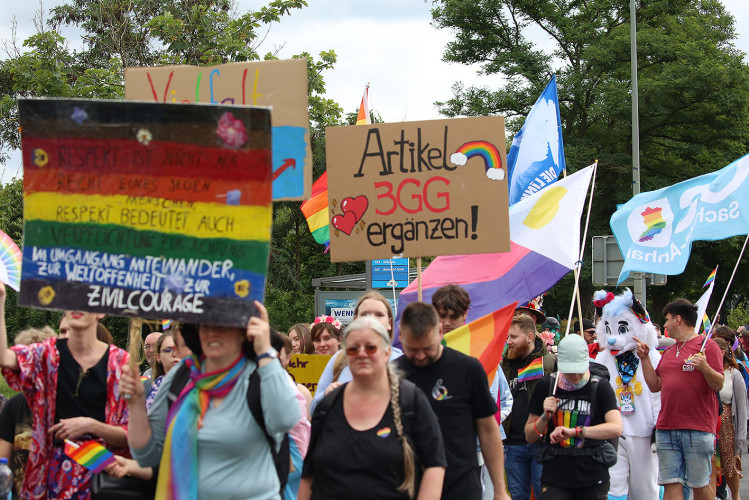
(576, 422)
(458, 391)
(368, 441)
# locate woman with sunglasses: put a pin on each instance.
(370, 440)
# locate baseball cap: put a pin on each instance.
(587, 325)
(572, 355)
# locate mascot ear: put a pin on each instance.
(640, 311)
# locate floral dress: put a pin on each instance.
(49, 472)
(153, 389)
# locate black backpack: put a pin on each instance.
(282, 456)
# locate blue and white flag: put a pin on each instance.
(655, 230)
(536, 157)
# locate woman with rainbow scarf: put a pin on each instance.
(207, 441)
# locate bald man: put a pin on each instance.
(149, 351)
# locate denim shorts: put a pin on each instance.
(684, 457)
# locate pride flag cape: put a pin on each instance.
(484, 338)
(315, 210)
(545, 233)
(533, 371)
(90, 454)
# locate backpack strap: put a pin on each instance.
(408, 404)
(321, 412)
(280, 454)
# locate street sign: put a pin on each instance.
(387, 273)
(608, 262)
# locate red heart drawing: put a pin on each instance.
(345, 222)
(357, 206)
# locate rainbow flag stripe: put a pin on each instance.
(711, 278)
(90, 454)
(146, 209)
(315, 210)
(533, 371)
(706, 325)
(484, 338)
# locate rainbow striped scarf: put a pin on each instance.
(178, 476)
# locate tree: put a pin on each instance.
(693, 91)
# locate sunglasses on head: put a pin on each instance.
(368, 349)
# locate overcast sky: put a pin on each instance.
(387, 43)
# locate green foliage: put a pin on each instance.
(693, 92)
(738, 316)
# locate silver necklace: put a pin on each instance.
(678, 349)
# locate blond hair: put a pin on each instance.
(33, 335)
(409, 463)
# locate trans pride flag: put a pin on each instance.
(545, 233)
(484, 338)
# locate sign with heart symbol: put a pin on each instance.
(353, 211)
(418, 189)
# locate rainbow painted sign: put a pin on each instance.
(277, 83)
(146, 209)
(418, 189)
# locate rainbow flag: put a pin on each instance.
(165, 324)
(146, 209)
(90, 454)
(362, 117)
(484, 338)
(706, 325)
(533, 371)
(711, 278)
(315, 210)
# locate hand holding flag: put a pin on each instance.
(90, 454)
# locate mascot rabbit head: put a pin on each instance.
(622, 319)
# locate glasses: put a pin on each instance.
(167, 350)
(368, 349)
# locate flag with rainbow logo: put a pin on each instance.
(655, 230)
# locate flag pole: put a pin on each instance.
(418, 279)
(725, 294)
(578, 264)
(134, 345)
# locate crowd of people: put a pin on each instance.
(216, 414)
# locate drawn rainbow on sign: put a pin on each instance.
(10, 262)
(485, 150)
(654, 221)
(142, 207)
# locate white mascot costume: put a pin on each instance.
(635, 474)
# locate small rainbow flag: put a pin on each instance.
(533, 371)
(484, 338)
(706, 325)
(90, 454)
(711, 278)
(165, 324)
(10, 262)
(143, 378)
(315, 210)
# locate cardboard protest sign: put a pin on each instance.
(306, 369)
(146, 209)
(417, 189)
(280, 84)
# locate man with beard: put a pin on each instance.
(458, 392)
(526, 361)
